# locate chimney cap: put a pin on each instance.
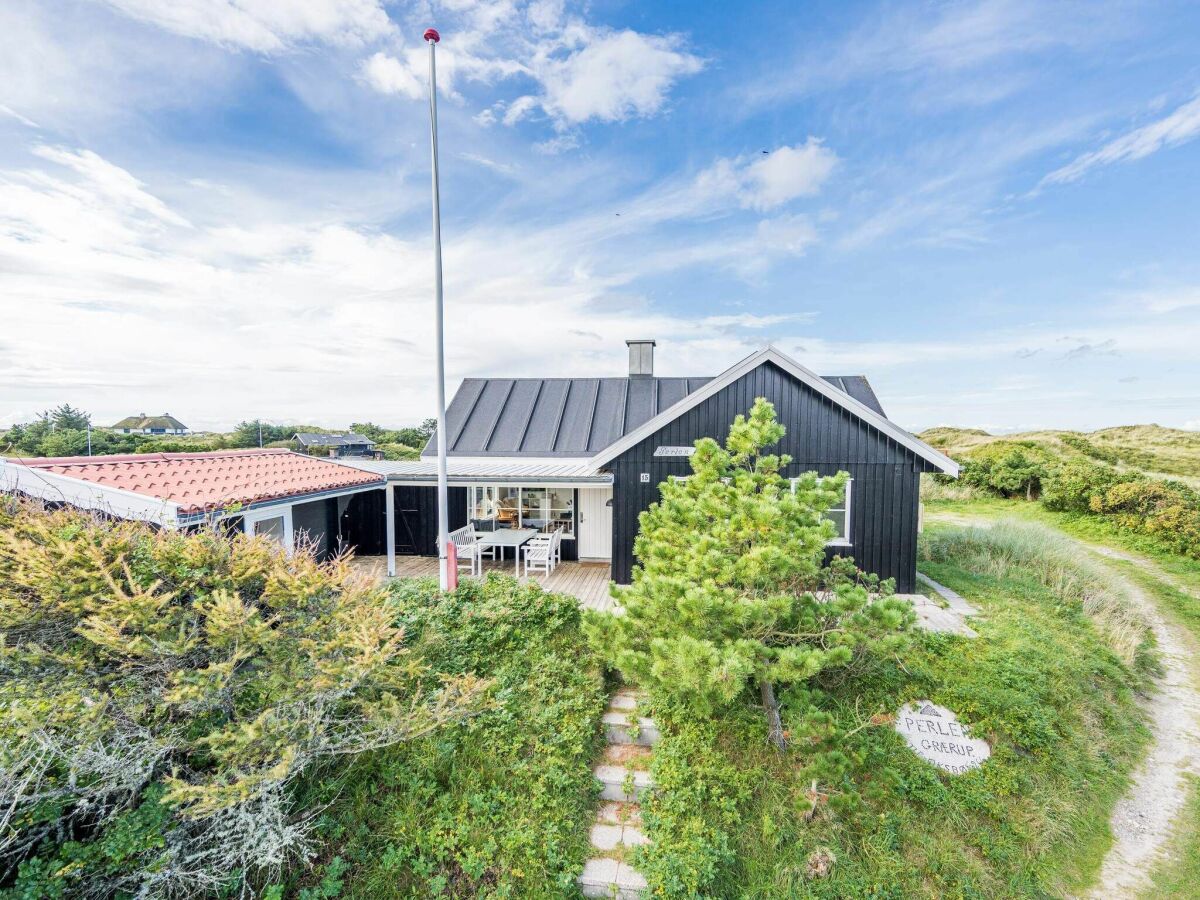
(651, 341)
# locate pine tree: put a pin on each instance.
(729, 588)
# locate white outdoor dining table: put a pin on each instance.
(508, 537)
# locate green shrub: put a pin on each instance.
(730, 817)
(398, 451)
(501, 805)
(695, 810)
(164, 692)
(1070, 486)
(1009, 468)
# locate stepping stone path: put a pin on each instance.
(951, 619)
(624, 781)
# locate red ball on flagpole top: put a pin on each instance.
(432, 35)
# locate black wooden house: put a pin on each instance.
(587, 455)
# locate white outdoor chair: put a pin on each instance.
(467, 549)
(556, 541)
(539, 555)
(485, 550)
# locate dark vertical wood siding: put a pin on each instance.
(416, 517)
(821, 436)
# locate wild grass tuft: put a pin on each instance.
(935, 489)
(1018, 549)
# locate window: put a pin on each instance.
(839, 515)
(542, 508)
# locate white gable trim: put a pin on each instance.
(800, 373)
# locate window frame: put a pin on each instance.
(520, 505)
(843, 539)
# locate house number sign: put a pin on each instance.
(934, 733)
(674, 451)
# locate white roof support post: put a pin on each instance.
(390, 538)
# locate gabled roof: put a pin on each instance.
(165, 421)
(202, 482)
(871, 416)
(310, 439)
(572, 417)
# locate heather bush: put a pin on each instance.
(163, 692)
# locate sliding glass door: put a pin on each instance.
(542, 508)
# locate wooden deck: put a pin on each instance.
(586, 581)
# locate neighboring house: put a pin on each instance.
(587, 455)
(144, 424)
(337, 445)
(288, 496)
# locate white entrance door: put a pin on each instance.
(595, 523)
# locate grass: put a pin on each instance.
(1041, 684)
(1173, 582)
(1182, 570)
(1068, 572)
(502, 806)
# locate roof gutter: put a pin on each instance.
(213, 514)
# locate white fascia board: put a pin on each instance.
(84, 494)
(802, 374)
(217, 514)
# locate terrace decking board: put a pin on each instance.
(586, 582)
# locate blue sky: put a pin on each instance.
(220, 209)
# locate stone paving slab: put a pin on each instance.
(617, 730)
(612, 783)
(614, 812)
(932, 617)
(955, 600)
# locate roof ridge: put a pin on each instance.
(115, 458)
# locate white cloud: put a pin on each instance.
(613, 76)
(790, 235)
(111, 183)
(266, 26)
(120, 301)
(788, 173)
(1179, 127)
(582, 73)
(766, 181)
(1168, 301)
(389, 75)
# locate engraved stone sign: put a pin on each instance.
(935, 734)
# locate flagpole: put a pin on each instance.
(432, 38)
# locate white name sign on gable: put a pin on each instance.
(674, 451)
(935, 734)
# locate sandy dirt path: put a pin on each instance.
(1143, 820)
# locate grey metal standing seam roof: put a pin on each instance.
(309, 439)
(552, 417)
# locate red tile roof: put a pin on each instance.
(199, 482)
